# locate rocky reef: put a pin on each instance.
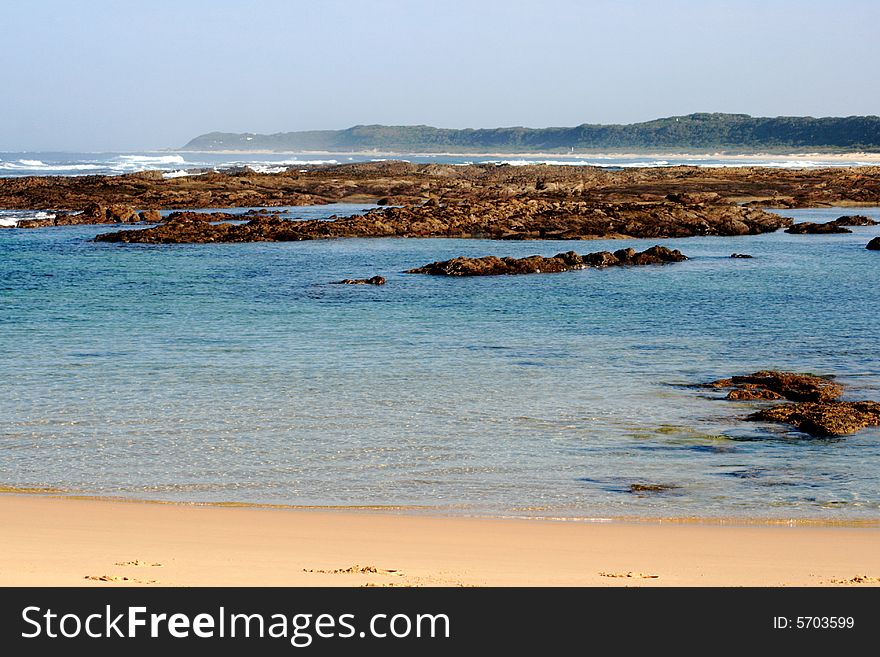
(874, 244)
(512, 219)
(561, 262)
(813, 404)
(403, 183)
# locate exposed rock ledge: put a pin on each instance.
(836, 226)
(493, 266)
(816, 409)
(510, 219)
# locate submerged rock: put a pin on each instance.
(375, 280)
(874, 244)
(741, 255)
(561, 262)
(651, 488)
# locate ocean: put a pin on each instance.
(240, 373)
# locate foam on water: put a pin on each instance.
(38, 166)
(262, 168)
(299, 162)
(281, 166)
(153, 160)
(181, 173)
(24, 164)
(10, 218)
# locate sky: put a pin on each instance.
(130, 75)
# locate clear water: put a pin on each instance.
(181, 163)
(239, 373)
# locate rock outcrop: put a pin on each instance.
(874, 244)
(561, 262)
(813, 405)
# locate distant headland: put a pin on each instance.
(694, 133)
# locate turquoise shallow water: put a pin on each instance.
(239, 373)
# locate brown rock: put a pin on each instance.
(750, 394)
(117, 214)
(600, 259)
(816, 410)
(150, 216)
(788, 385)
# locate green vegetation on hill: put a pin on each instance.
(694, 133)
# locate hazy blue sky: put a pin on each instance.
(131, 75)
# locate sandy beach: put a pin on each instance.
(58, 541)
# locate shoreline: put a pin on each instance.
(129, 543)
(424, 511)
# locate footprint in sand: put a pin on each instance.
(370, 585)
(630, 575)
(858, 579)
(119, 578)
(137, 563)
(356, 570)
